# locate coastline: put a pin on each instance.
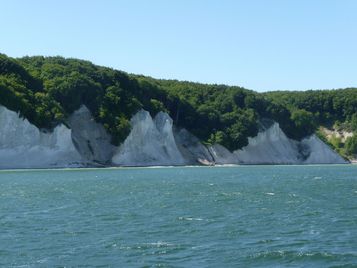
(169, 167)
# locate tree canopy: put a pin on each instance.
(46, 90)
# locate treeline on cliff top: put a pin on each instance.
(46, 90)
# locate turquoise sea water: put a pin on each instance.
(245, 216)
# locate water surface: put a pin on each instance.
(247, 216)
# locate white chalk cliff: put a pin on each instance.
(222, 156)
(150, 142)
(319, 152)
(193, 151)
(272, 146)
(90, 138)
(23, 145)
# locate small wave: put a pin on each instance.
(160, 244)
(228, 194)
(45, 210)
(190, 219)
(144, 246)
(270, 193)
(160, 167)
(44, 260)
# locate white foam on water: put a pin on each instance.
(190, 219)
(160, 244)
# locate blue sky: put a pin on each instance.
(258, 44)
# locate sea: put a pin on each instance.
(237, 216)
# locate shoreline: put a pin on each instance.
(168, 167)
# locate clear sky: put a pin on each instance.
(261, 45)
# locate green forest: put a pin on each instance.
(46, 90)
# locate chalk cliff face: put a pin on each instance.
(193, 151)
(23, 145)
(150, 142)
(164, 125)
(90, 138)
(320, 153)
(272, 146)
(222, 155)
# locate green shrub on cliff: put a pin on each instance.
(351, 145)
